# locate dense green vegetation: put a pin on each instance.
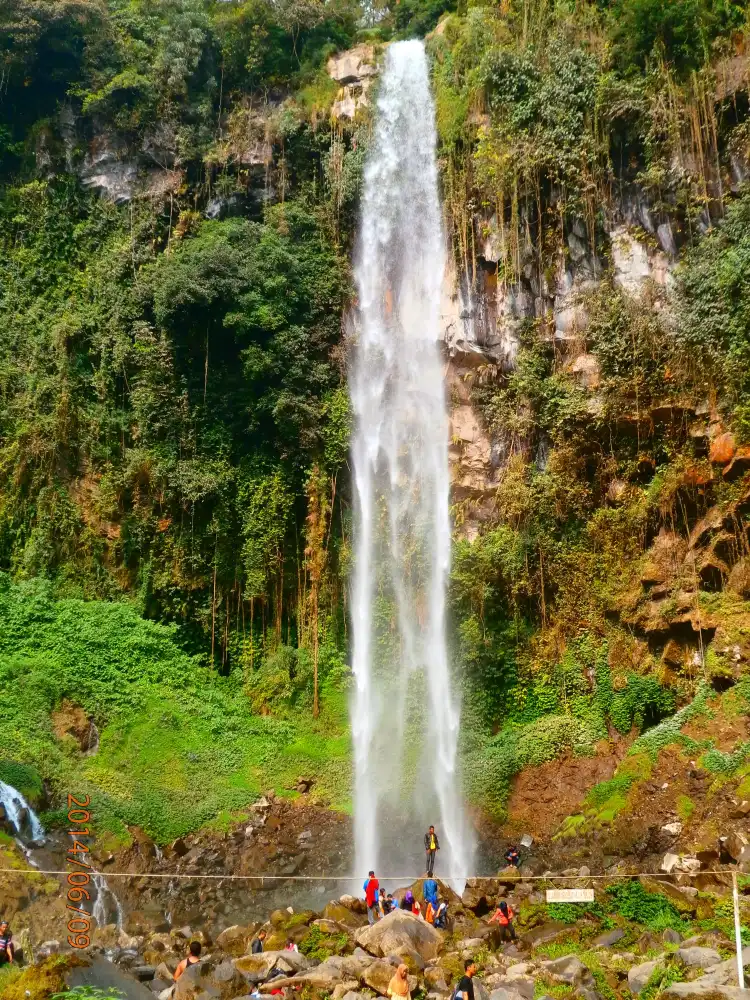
(178, 745)
(177, 211)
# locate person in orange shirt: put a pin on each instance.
(503, 917)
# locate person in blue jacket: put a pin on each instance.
(430, 891)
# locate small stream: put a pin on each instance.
(48, 853)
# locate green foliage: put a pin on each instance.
(681, 31)
(719, 762)
(535, 398)
(668, 731)
(23, 777)
(630, 900)
(685, 807)
(713, 306)
(571, 913)
(319, 946)
(178, 743)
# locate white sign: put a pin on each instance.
(570, 895)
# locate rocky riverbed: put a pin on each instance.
(344, 958)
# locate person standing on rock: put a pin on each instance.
(6, 943)
(465, 988)
(431, 846)
(257, 946)
(193, 958)
(371, 888)
(398, 988)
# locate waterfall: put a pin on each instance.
(107, 908)
(19, 813)
(405, 716)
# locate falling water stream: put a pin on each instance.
(405, 716)
(30, 835)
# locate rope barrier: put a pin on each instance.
(404, 879)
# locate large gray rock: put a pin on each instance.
(257, 968)
(235, 940)
(699, 991)
(609, 938)
(323, 978)
(568, 969)
(434, 978)
(724, 973)
(504, 994)
(639, 975)
(401, 929)
(544, 934)
(702, 958)
(523, 985)
(377, 976)
(479, 894)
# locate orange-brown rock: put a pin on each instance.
(722, 448)
(739, 465)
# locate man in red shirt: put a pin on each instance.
(371, 887)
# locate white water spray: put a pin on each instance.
(404, 716)
(19, 814)
(107, 908)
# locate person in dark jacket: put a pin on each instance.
(513, 857)
(257, 946)
(6, 943)
(431, 846)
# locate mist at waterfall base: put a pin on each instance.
(405, 717)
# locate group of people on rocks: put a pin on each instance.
(380, 903)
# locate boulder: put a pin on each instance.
(143, 973)
(504, 994)
(191, 983)
(165, 971)
(681, 900)
(702, 958)
(257, 968)
(609, 938)
(722, 449)
(522, 985)
(702, 991)
(235, 940)
(348, 988)
(401, 929)
(671, 936)
(345, 915)
(520, 969)
(479, 894)
(569, 969)
(411, 958)
(639, 975)
(434, 978)
(323, 978)
(377, 976)
(544, 934)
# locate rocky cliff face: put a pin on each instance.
(482, 316)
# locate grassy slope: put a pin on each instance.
(179, 746)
